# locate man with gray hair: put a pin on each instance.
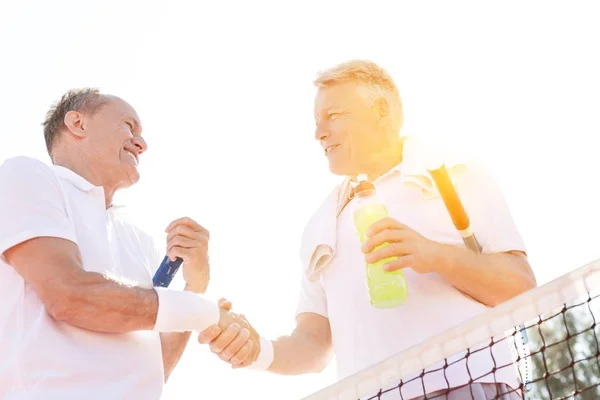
(358, 116)
(80, 317)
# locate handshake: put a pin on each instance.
(233, 340)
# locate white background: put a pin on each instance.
(225, 96)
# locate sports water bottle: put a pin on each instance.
(386, 289)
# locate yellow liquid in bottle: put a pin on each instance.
(386, 289)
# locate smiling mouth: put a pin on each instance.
(329, 149)
(132, 156)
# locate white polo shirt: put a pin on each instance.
(41, 358)
(363, 335)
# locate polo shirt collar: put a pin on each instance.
(82, 184)
(73, 178)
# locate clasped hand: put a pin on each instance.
(233, 340)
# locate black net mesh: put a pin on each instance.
(561, 360)
(556, 354)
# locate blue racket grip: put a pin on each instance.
(166, 272)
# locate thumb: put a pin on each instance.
(225, 304)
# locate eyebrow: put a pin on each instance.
(324, 111)
(333, 110)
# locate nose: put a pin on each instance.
(321, 132)
(140, 144)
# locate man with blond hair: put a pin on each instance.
(358, 115)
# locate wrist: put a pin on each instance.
(198, 285)
(180, 311)
(199, 289)
(265, 356)
(447, 259)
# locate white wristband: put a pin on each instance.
(180, 311)
(265, 357)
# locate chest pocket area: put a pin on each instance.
(91, 228)
(133, 253)
(425, 214)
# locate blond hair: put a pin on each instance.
(375, 80)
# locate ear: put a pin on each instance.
(74, 121)
(382, 107)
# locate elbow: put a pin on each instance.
(319, 366)
(529, 284)
(527, 281)
(322, 359)
(61, 305)
(524, 285)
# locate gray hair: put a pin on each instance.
(86, 100)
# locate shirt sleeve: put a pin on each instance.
(493, 223)
(31, 204)
(312, 297)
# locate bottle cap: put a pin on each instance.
(362, 178)
(364, 187)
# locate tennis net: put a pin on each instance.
(552, 333)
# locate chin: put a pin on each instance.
(337, 169)
(132, 177)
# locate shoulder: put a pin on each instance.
(26, 176)
(464, 167)
(24, 166)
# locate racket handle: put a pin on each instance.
(166, 272)
(472, 243)
(455, 208)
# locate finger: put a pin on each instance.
(225, 338)
(392, 250)
(243, 353)
(186, 231)
(181, 252)
(386, 223)
(184, 242)
(255, 352)
(187, 221)
(235, 346)
(209, 334)
(399, 263)
(384, 236)
(225, 304)
(253, 356)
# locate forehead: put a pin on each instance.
(344, 95)
(120, 108)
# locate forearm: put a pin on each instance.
(98, 303)
(489, 278)
(300, 353)
(52, 268)
(173, 344)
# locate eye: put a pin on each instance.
(130, 125)
(334, 115)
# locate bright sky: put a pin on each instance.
(225, 96)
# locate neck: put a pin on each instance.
(383, 162)
(82, 166)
